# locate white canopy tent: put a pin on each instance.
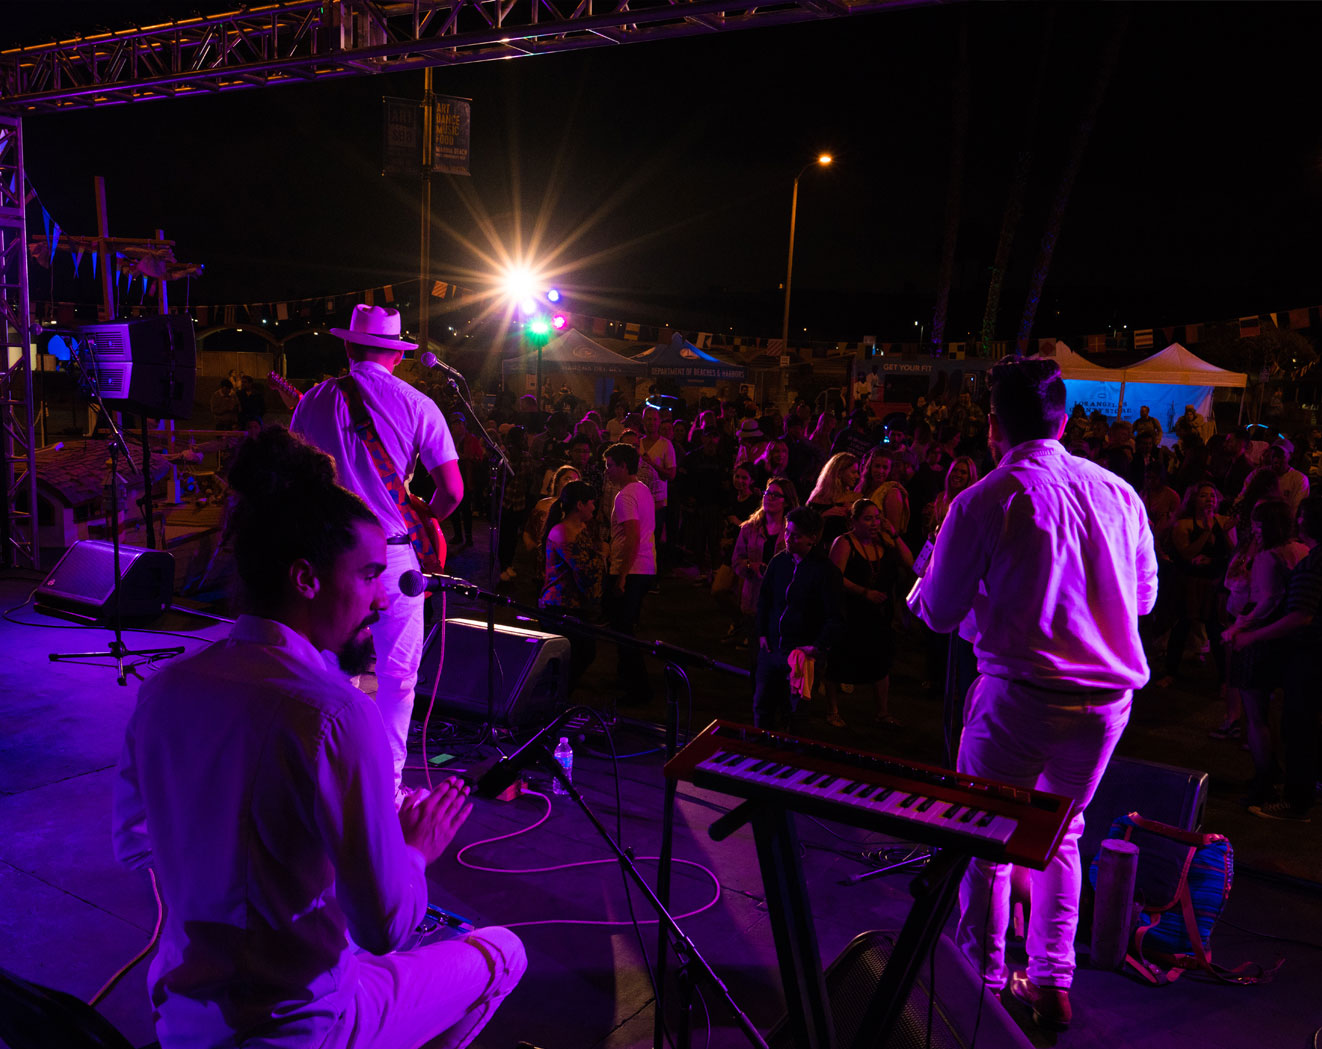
(1165, 383)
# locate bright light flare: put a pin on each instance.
(825, 159)
(553, 295)
(540, 327)
(519, 283)
(559, 321)
(528, 306)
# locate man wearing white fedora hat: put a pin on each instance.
(410, 429)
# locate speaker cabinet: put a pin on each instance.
(1165, 793)
(147, 365)
(531, 681)
(83, 583)
(962, 1007)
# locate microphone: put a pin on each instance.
(497, 779)
(430, 360)
(411, 583)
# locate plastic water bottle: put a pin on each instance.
(564, 754)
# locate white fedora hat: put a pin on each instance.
(376, 327)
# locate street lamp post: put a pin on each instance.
(822, 161)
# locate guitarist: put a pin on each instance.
(409, 428)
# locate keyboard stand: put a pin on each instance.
(800, 959)
(935, 891)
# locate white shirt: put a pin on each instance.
(408, 422)
(1054, 556)
(634, 503)
(1294, 488)
(258, 783)
(662, 452)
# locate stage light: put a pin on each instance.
(553, 295)
(559, 321)
(528, 306)
(518, 284)
(539, 326)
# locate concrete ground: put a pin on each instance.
(72, 916)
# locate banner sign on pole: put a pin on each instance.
(450, 135)
(401, 143)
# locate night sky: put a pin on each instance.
(1199, 198)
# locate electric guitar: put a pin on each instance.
(424, 527)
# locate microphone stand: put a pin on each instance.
(677, 682)
(117, 650)
(499, 469)
(685, 949)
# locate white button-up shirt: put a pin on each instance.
(258, 783)
(408, 422)
(1054, 556)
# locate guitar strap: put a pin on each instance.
(366, 431)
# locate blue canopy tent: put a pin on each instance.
(685, 365)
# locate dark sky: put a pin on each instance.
(1199, 198)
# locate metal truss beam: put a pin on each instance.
(20, 544)
(303, 40)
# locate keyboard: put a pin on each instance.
(921, 803)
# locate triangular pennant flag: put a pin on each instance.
(282, 311)
(95, 255)
(78, 260)
(389, 293)
(369, 298)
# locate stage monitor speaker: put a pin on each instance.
(532, 674)
(851, 982)
(83, 583)
(147, 365)
(1165, 793)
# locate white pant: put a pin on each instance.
(397, 638)
(1052, 741)
(445, 991)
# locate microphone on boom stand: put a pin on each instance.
(411, 584)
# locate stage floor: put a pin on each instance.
(72, 916)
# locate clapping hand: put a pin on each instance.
(431, 818)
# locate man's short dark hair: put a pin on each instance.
(805, 519)
(1027, 397)
(625, 455)
(579, 438)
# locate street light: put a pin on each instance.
(822, 160)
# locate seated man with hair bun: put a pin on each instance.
(257, 783)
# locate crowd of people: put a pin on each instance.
(726, 479)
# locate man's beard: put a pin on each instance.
(355, 656)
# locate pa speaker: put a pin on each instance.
(83, 583)
(960, 1006)
(1165, 793)
(531, 679)
(147, 365)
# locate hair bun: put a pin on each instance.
(276, 465)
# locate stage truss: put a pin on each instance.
(305, 40)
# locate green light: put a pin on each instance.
(540, 326)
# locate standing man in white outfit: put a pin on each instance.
(1054, 557)
(412, 429)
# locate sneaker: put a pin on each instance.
(1050, 1005)
(1280, 810)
